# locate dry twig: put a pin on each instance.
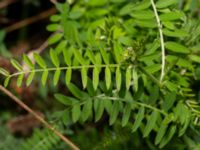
(39, 118)
(5, 3)
(30, 20)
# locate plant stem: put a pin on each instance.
(161, 40)
(39, 118)
(150, 76)
(63, 68)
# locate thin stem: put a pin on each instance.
(63, 68)
(30, 20)
(138, 103)
(161, 40)
(150, 76)
(39, 118)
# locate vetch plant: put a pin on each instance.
(136, 60)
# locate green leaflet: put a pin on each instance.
(171, 16)
(76, 112)
(87, 110)
(153, 68)
(104, 55)
(84, 76)
(151, 123)
(44, 77)
(99, 109)
(114, 112)
(195, 58)
(175, 33)
(138, 119)
(126, 9)
(126, 114)
(128, 77)
(90, 55)
(39, 60)
(142, 5)
(161, 132)
(68, 76)
(143, 15)
(16, 65)
(187, 119)
(4, 72)
(61, 46)
(108, 105)
(78, 56)
(53, 27)
(146, 23)
(175, 47)
(28, 61)
(164, 4)
(169, 100)
(108, 77)
(30, 78)
(6, 81)
(90, 88)
(130, 7)
(55, 38)
(56, 77)
(118, 78)
(118, 52)
(154, 94)
(95, 78)
(67, 56)
(168, 24)
(168, 137)
(20, 80)
(71, 31)
(68, 101)
(77, 92)
(135, 80)
(54, 58)
(55, 18)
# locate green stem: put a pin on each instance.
(150, 76)
(63, 68)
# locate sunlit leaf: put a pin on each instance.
(16, 65)
(44, 77)
(56, 77)
(28, 61)
(164, 4)
(39, 60)
(54, 58)
(4, 72)
(84, 76)
(20, 79)
(68, 76)
(95, 78)
(128, 77)
(107, 77)
(176, 47)
(30, 78)
(118, 78)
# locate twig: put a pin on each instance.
(6, 3)
(39, 118)
(30, 20)
(161, 40)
